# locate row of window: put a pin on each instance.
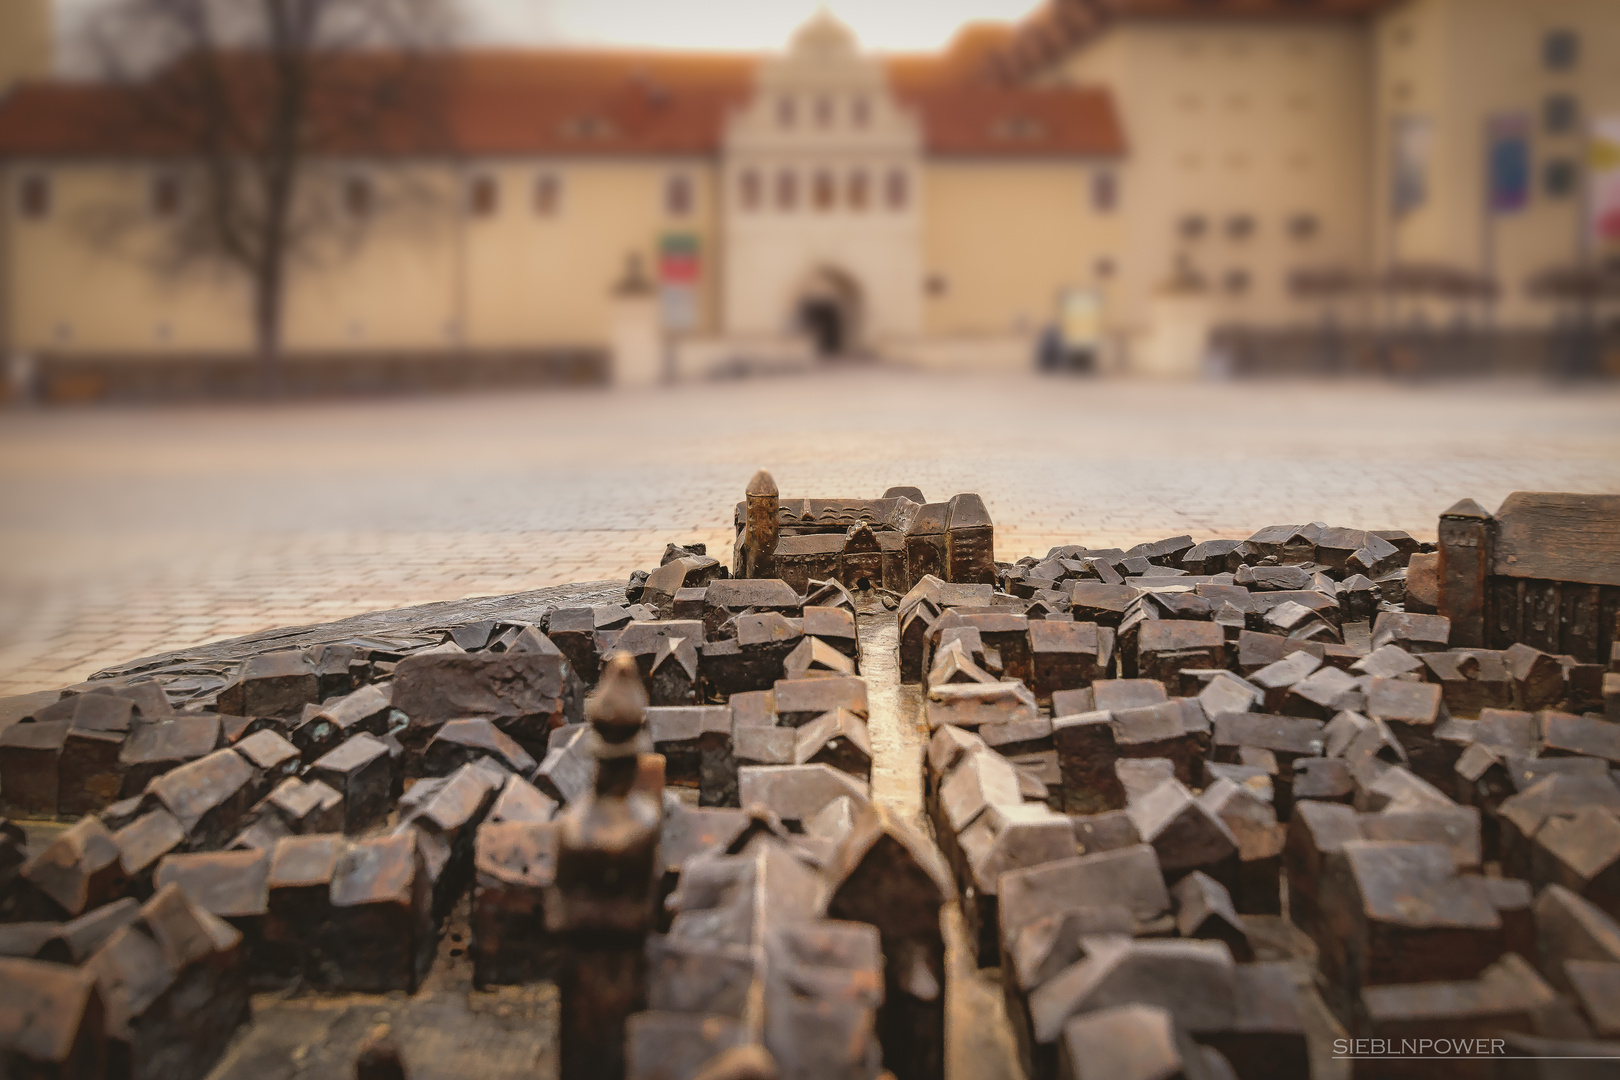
(484, 195)
(1560, 47)
(1560, 113)
(1241, 49)
(824, 111)
(166, 195)
(1300, 227)
(1240, 102)
(822, 190)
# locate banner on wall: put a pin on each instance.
(680, 271)
(1603, 172)
(1081, 320)
(1507, 162)
(1412, 143)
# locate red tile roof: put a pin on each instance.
(598, 102)
(1061, 26)
(1239, 8)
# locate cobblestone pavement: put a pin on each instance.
(125, 532)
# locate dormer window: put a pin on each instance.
(587, 126)
(1021, 128)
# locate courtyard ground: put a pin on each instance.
(131, 531)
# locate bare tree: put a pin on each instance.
(258, 103)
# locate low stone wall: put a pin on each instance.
(72, 378)
(1247, 351)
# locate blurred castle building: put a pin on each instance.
(1132, 172)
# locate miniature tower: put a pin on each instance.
(758, 555)
(606, 859)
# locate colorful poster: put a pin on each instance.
(1412, 142)
(679, 270)
(1604, 185)
(1081, 323)
(678, 261)
(1507, 162)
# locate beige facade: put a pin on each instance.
(1249, 157)
(1262, 147)
(823, 169)
(917, 212)
(1004, 240)
(1452, 65)
(427, 273)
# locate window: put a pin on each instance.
(547, 194)
(787, 112)
(1558, 178)
(357, 196)
(896, 190)
(787, 190)
(1104, 269)
(483, 196)
(34, 196)
(1239, 227)
(858, 193)
(1192, 226)
(1560, 114)
(748, 189)
(165, 195)
(1236, 282)
(1104, 191)
(1560, 50)
(678, 195)
(936, 285)
(860, 112)
(1304, 227)
(824, 112)
(823, 192)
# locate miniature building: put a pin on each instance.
(890, 543)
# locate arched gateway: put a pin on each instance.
(828, 312)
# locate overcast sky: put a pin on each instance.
(699, 24)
